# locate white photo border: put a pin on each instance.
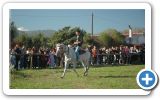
(6, 15)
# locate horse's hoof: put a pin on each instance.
(85, 74)
(61, 77)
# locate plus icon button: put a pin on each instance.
(147, 79)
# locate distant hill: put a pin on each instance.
(47, 33)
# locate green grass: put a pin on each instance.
(109, 77)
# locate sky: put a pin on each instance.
(55, 19)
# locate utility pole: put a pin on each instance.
(92, 25)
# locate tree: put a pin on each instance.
(21, 38)
(117, 37)
(13, 31)
(105, 39)
(65, 35)
(87, 39)
(111, 37)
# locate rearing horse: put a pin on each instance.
(70, 57)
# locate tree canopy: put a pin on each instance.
(13, 31)
(66, 35)
(111, 37)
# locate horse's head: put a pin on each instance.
(61, 49)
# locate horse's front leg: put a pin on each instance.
(65, 68)
(87, 66)
(74, 68)
(85, 69)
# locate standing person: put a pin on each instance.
(55, 57)
(12, 59)
(101, 55)
(126, 55)
(29, 58)
(94, 55)
(78, 43)
(34, 58)
(18, 53)
(51, 60)
(120, 55)
(23, 58)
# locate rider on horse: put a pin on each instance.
(78, 43)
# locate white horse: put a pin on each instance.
(70, 57)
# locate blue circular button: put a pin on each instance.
(147, 79)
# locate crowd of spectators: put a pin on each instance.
(27, 58)
(118, 55)
(33, 58)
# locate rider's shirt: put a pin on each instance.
(80, 40)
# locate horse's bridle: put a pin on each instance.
(65, 49)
